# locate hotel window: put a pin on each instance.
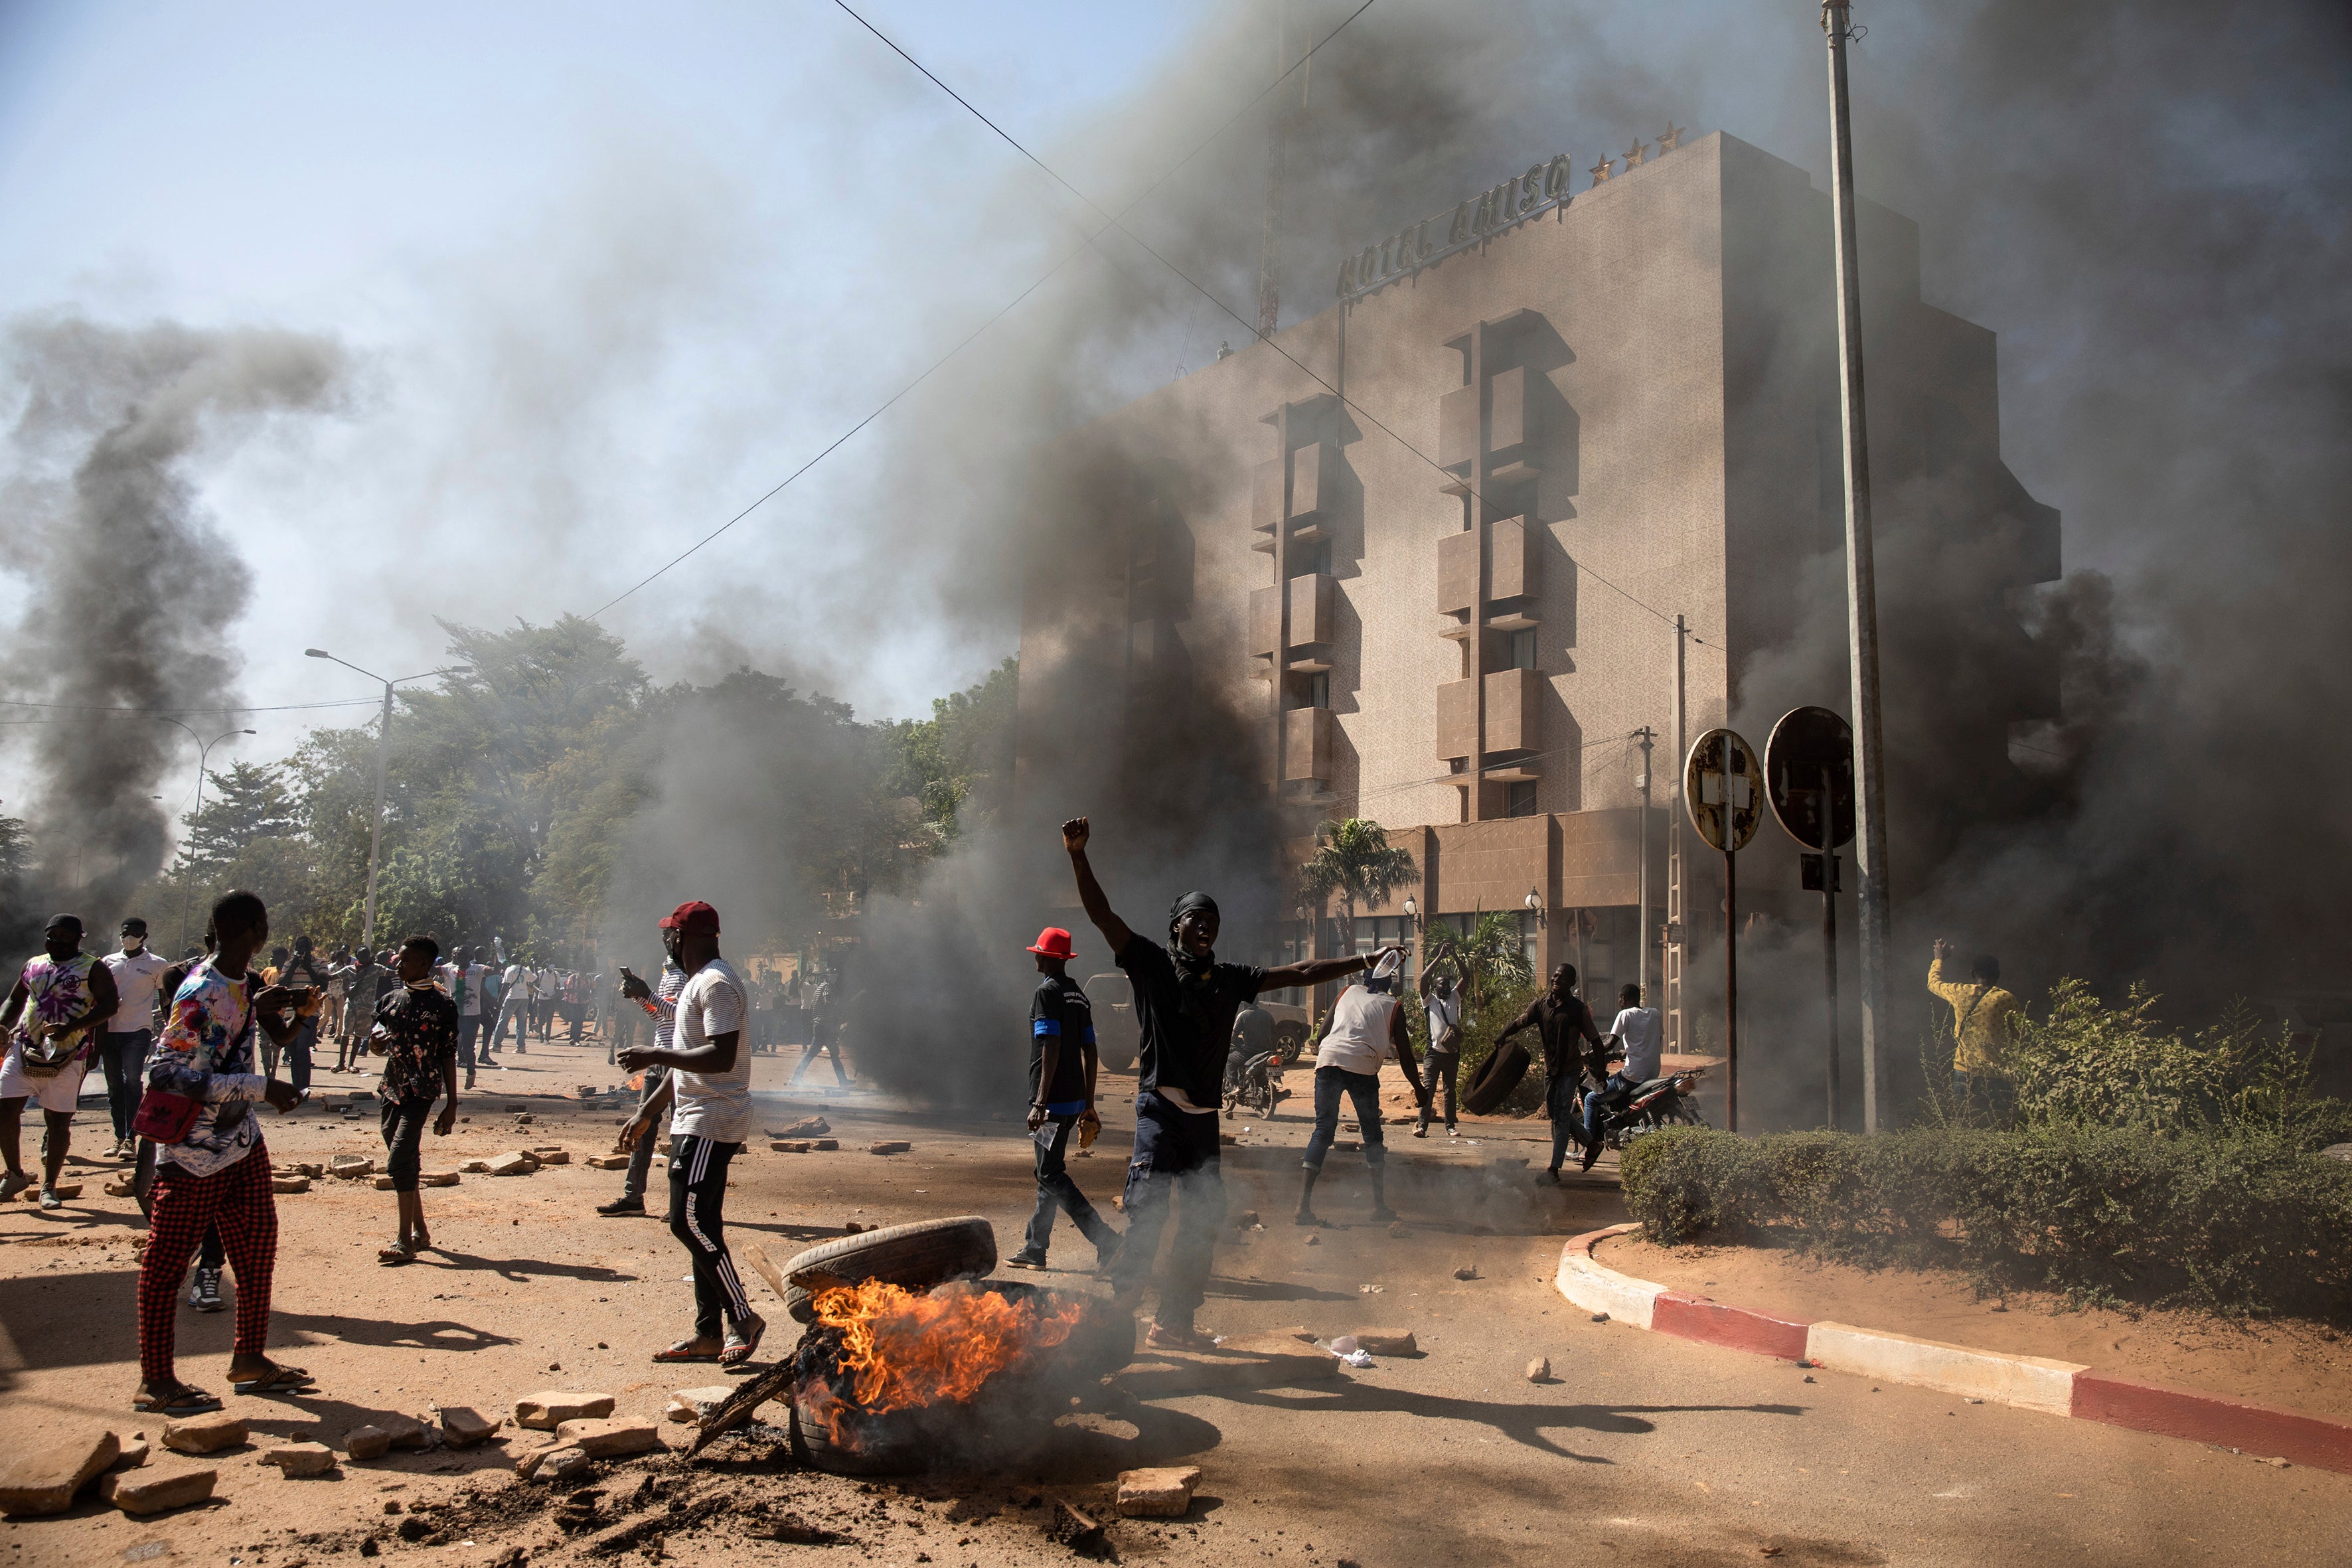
(1523, 648)
(1519, 798)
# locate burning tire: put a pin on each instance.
(970, 1375)
(1496, 1076)
(918, 1256)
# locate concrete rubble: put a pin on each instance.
(45, 1479)
(693, 1406)
(889, 1146)
(369, 1442)
(606, 1437)
(551, 1408)
(299, 1458)
(208, 1434)
(462, 1426)
(145, 1491)
(1160, 1493)
(1539, 1369)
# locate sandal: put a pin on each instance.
(277, 1380)
(394, 1257)
(741, 1347)
(182, 1401)
(679, 1355)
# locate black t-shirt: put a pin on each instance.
(420, 1026)
(1560, 1025)
(1058, 1011)
(1187, 1025)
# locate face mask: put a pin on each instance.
(133, 944)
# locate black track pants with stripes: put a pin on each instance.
(697, 1201)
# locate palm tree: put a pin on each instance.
(1490, 960)
(1355, 860)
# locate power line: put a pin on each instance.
(160, 712)
(1114, 222)
(1009, 306)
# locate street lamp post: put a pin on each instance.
(204, 750)
(382, 759)
(1862, 592)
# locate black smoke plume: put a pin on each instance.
(130, 589)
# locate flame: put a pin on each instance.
(900, 1350)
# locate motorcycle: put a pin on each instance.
(1250, 1085)
(1632, 1110)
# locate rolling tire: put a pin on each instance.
(918, 1256)
(1498, 1075)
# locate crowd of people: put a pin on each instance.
(191, 1050)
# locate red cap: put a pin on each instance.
(1052, 943)
(693, 917)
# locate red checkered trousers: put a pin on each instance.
(239, 1198)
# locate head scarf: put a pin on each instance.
(1187, 966)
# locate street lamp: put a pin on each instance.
(383, 756)
(1536, 906)
(204, 750)
(1411, 912)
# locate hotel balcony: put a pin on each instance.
(1314, 621)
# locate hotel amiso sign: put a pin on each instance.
(1543, 187)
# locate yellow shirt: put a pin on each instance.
(1984, 1017)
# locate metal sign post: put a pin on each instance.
(1724, 790)
(1809, 777)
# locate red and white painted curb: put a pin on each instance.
(2033, 1383)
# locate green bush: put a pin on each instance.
(2238, 1224)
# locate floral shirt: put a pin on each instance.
(206, 1053)
(54, 992)
(416, 1031)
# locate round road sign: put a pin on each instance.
(1727, 804)
(1809, 777)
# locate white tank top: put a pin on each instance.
(1358, 1040)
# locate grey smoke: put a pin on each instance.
(2147, 209)
(129, 587)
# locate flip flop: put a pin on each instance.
(186, 1402)
(677, 1355)
(740, 1350)
(282, 1380)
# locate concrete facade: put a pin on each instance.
(1476, 520)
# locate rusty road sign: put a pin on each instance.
(1721, 797)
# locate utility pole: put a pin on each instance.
(204, 751)
(375, 825)
(1269, 247)
(1676, 809)
(382, 760)
(1861, 594)
(1642, 882)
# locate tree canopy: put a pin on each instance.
(531, 787)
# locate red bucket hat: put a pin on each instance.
(1052, 943)
(695, 918)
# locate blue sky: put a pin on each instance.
(607, 274)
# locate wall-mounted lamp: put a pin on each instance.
(1411, 914)
(1536, 905)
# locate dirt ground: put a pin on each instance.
(2296, 1365)
(1650, 1448)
